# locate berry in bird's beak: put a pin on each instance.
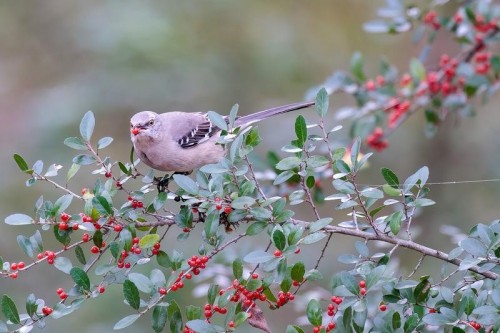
(135, 130)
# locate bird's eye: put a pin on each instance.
(131, 125)
(151, 122)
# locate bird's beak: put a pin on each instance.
(135, 130)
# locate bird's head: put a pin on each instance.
(143, 124)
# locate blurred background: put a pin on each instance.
(59, 59)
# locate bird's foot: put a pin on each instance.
(162, 183)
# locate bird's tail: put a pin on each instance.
(258, 116)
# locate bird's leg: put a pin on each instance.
(162, 183)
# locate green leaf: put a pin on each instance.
(288, 163)
(319, 224)
(175, 316)
(417, 69)
(80, 278)
(294, 329)
(213, 291)
(279, 239)
(84, 159)
(313, 238)
(411, 323)
(97, 238)
(240, 318)
(72, 171)
(301, 130)
(244, 202)
(298, 271)
(163, 259)
(389, 190)
(283, 177)
(62, 204)
(211, 224)
(254, 284)
(131, 294)
(317, 161)
(258, 257)
(395, 220)
(437, 319)
(63, 264)
(102, 204)
(142, 282)
(87, 126)
(350, 283)
(314, 312)
(357, 67)
(9, 310)
(255, 228)
(193, 312)
(19, 219)
(322, 102)
(202, 326)
(31, 305)
(238, 268)
(217, 120)
(159, 318)
(474, 247)
(126, 321)
(355, 153)
(21, 163)
(75, 143)
(148, 241)
(80, 255)
(186, 183)
(232, 114)
(104, 142)
(25, 245)
(390, 177)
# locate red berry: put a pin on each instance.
(13, 275)
(108, 174)
(295, 283)
(135, 240)
(382, 307)
(118, 184)
(231, 324)
(370, 85)
(188, 276)
(137, 250)
(155, 251)
(39, 256)
(140, 204)
(59, 291)
(186, 229)
(277, 253)
(101, 289)
(64, 217)
(218, 206)
(255, 276)
(75, 226)
(63, 226)
(63, 295)
(362, 291)
(331, 326)
(127, 265)
(94, 249)
(118, 227)
(46, 310)
(20, 265)
(208, 314)
(50, 261)
(13, 266)
(227, 209)
(432, 310)
(362, 283)
(297, 250)
(85, 238)
(157, 245)
(84, 190)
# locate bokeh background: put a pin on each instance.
(59, 59)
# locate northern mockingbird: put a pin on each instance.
(181, 141)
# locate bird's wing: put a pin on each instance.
(199, 134)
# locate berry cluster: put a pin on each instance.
(219, 206)
(14, 267)
(362, 287)
(475, 325)
(376, 140)
(135, 203)
(50, 255)
(197, 263)
(284, 298)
